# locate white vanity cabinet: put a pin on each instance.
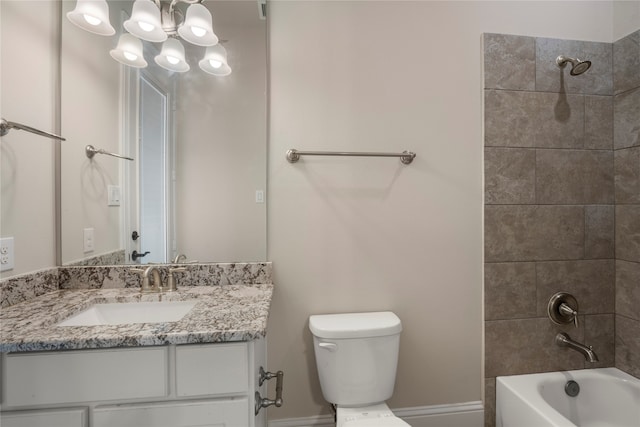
(162, 386)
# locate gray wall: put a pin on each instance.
(626, 144)
(549, 204)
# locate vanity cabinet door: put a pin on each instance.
(211, 369)
(217, 413)
(45, 418)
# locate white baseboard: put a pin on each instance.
(468, 414)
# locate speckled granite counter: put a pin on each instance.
(222, 313)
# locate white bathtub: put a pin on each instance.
(608, 398)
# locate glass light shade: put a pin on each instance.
(215, 61)
(92, 16)
(145, 22)
(129, 51)
(197, 27)
(172, 57)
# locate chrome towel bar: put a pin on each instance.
(6, 126)
(293, 155)
(90, 151)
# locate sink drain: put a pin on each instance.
(572, 388)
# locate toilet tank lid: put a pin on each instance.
(355, 325)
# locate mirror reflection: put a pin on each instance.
(197, 137)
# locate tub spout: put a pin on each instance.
(564, 340)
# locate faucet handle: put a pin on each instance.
(563, 309)
(172, 284)
(137, 270)
(566, 310)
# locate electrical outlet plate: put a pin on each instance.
(88, 244)
(6, 254)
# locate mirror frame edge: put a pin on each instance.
(58, 148)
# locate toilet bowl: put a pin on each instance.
(357, 357)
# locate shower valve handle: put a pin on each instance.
(570, 312)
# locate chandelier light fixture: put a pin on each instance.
(159, 22)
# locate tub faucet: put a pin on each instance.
(564, 340)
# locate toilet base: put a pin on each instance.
(374, 416)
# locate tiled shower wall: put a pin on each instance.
(626, 144)
(549, 204)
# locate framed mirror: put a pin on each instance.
(196, 184)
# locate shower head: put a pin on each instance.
(577, 66)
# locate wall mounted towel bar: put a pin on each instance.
(6, 126)
(90, 151)
(293, 155)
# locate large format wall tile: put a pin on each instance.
(592, 282)
(628, 232)
(509, 62)
(532, 119)
(527, 345)
(599, 234)
(627, 175)
(626, 119)
(490, 402)
(626, 63)
(533, 233)
(599, 332)
(551, 78)
(510, 176)
(628, 289)
(509, 290)
(628, 345)
(574, 177)
(598, 122)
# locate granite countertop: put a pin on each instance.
(222, 313)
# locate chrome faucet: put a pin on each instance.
(146, 285)
(564, 340)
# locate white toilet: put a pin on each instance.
(357, 357)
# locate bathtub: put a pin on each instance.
(608, 397)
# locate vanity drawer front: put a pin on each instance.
(46, 378)
(46, 418)
(212, 369)
(217, 413)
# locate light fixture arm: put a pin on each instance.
(167, 14)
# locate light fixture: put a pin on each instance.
(92, 16)
(157, 21)
(172, 56)
(215, 61)
(145, 22)
(197, 27)
(129, 51)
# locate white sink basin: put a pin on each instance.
(130, 312)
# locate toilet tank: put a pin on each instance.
(356, 356)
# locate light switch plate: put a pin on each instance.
(113, 192)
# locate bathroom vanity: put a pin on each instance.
(200, 370)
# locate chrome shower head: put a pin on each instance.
(577, 66)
